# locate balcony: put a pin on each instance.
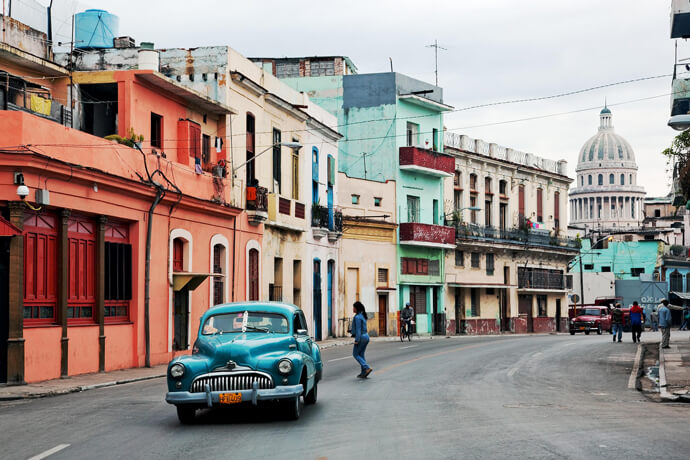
(257, 204)
(680, 101)
(544, 280)
(491, 235)
(285, 213)
(326, 221)
(426, 162)
(19, 94)
(416, 234)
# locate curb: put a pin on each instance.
(665, 395)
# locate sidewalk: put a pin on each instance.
(674, 368)
(85, 382)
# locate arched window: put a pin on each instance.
(218, 268)
(611, 179)
(630, 181)
(589, 180)
(601, 179)
(253, 269)
(676, 280)
(622, 179)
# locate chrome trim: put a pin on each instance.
(231, 381)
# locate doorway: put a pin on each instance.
(331, 271)
(459, 311)
(316, 299)
(525, 308)
(181, 319)
(383, 313)
(558, 315)
(505, 312)
(439, 316)
(4, 304)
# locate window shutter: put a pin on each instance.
(331, 170)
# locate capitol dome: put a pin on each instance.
(606, 194)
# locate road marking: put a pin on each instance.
(50, 452)
(338, 359)
(409, 346)
(537, 354)
(512, 371)
(636, 369)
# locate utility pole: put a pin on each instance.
(436, 47)
(364, 157)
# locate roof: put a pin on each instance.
(605, 110)
(268, 307)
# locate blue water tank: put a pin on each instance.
(95, 29)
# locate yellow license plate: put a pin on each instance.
(582, 328)
(230, 398)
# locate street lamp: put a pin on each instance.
(291, 145)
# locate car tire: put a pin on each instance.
(312, 395)
(586, 332)
(572, 332)
(599, 330)
(294, 407)
(186, 414)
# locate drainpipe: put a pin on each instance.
(50, 24)
(147, 272)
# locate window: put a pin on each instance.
(377, 201)
(676, 281)
(40, 274)
(218, 281)
(611, 179)
(457, 200)
(382, 278)
(487, 213)
(600, 179)
(295, 172)
(521, 205)
(502, 185)
(412, 208)
(275, 289)
(630, 180)
(412, 134)
(178, 255)
(434, 211)
(657, 213)
(473, 182)
(321, 68)
(251, 167)
(474, 259)
(412, 266)
(589, 180)
(315, 175)
(502, 215)
(205, 150)
(434, 268)
(606, 269)
(253, 266)
(434, 135)
(557, 211)
(418, 299)
(487, 186)
(156, 130)
(277, 152)
(489, 264)
(636, 271)
(457, 179)
(296, 282)
(473, 213)
(582, 180)
(81, 284)
(474, 301)
(622, 179)
(540, 205)
(118, 272)
(589, 266)
(541, 305)
(355, 199)
(459, 258)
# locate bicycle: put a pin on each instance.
(406, 331)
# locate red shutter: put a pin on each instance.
(539, 205)
(194, 140)
(178, 255)
(253, 275)
(40, 274)
(557, 210)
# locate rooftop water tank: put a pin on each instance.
(95, 29)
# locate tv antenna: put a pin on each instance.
(436, 47)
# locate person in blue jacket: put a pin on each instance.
(359, 332)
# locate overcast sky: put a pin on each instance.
(496, 50)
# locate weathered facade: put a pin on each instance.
(509, 269)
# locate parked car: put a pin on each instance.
(591, 318)
(245, 353)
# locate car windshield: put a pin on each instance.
(590, 312)
(255, 321)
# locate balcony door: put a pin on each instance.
(316, 299)
(412, 208)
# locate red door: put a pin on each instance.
(383, 313)
(253, 293)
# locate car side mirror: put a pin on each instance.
(302, 332)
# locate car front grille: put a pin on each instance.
(231, 382)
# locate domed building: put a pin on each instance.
(605, 195)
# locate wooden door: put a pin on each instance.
(181, 319)
(253, 293)
(383, 313)
(525, 308)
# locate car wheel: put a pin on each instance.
(186, 414)
(312, 395)
(294, 407)
(586, 332)
(572, 332)
(599, 331)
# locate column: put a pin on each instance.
(100, 290)
(15, 337)
(63, 285)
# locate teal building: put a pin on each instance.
(626, 259)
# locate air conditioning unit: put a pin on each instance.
(43, 196)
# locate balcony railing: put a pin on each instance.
(417, 233)
(257, 198)
(18, 94)
(426, 161)
(543, 280)
(465, 231)
(321, 218)
(275, 293)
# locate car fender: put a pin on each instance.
(194, 365)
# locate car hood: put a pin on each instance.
(247, 349)
(586, 318)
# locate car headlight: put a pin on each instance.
(177, 370)
(285, 366)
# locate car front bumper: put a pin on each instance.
(584, 327)
(211, 398)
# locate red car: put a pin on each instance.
(590, 318)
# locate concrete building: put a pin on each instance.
(606, 195)
(509, 269)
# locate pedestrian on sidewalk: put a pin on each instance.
(617, 322)
(636, 320)
(654, 317)
(686, 319)
(664, 323)
(359, 332)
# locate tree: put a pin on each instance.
(678, 154)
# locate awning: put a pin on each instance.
(681, 295)
(481, 285)
(190, 280)
(7, 229)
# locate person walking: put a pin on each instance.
(359, 332)
(636, 320)
(654, 318)
(664, 323)
(686, 319)
(617, 322)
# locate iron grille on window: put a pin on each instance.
(539, 278)
(275, 293)
(434, 268)
(383, 275)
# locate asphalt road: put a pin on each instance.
(486, 397)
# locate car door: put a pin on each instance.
(304, 342)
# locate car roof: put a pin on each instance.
(268, 307)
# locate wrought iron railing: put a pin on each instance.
(529, 279)
(321, 217)
(257, 199)
(467, 231)
(275, 293)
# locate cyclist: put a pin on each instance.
(406, 316)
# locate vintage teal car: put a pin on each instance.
(245, 353)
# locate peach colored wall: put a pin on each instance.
(119, 349)
(82, 356)
(42, 353)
